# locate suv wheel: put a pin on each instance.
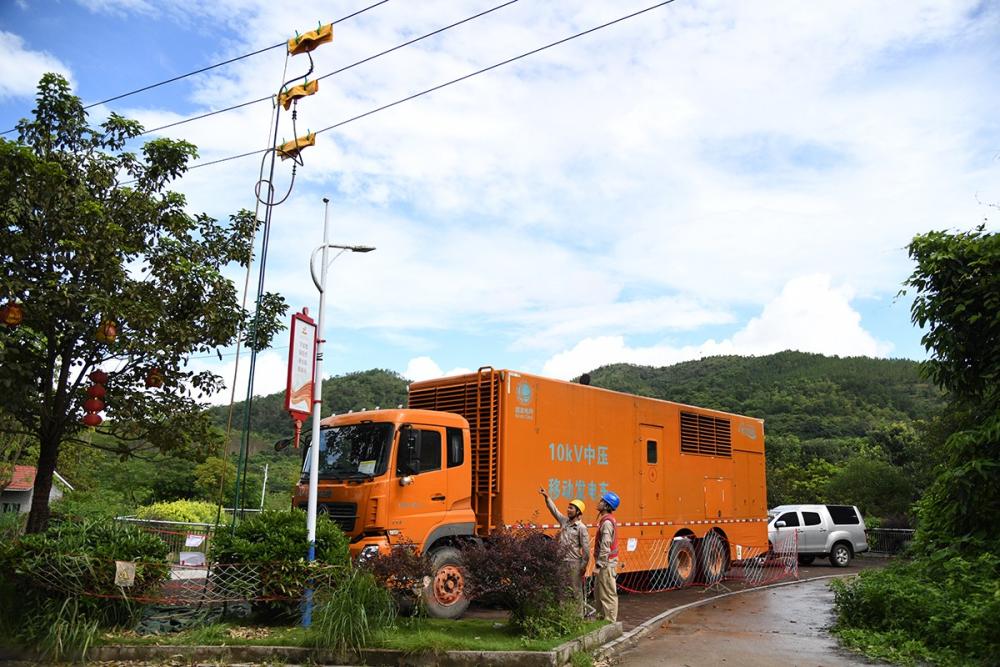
(841, 555)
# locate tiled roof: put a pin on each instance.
(23, 479)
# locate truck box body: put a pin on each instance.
(675, 466)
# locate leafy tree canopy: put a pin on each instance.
(90, 235)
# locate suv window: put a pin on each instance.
(790, 519)
(811, 519)
(843, 515)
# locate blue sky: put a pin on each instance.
(708, 178)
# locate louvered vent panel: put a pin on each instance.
(479, 403)
(703, 434)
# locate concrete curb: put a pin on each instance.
(631, 638)
(557, 657)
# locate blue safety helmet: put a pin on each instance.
(612, 499)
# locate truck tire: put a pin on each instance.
(840, 555)
(682, 566)
(445, 597)
(805, 559)
(713, 561)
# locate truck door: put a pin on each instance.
(420, 491)
(652, 481)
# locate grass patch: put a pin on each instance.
(473, 634)
(896, 647)
(414, 635)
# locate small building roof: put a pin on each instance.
(23, 479)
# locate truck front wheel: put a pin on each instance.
(445, 597)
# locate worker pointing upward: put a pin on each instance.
(574, 543)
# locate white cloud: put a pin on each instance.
(21, 68)
(425, 368)
(810, 315)
(270, 374)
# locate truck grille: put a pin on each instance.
(345, 515)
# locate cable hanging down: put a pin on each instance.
(211, 67)
(448, 83)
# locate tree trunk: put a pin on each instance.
(38, 518)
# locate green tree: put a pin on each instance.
(877, 487)
(957, 300)
(89, 236)
(215, 475)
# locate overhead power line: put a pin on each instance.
(452, 82)
(211, 67)
(335, 72)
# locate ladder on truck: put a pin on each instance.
(478, 400)
(485, 436)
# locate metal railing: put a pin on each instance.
(888, 541)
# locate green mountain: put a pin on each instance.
(852, 430)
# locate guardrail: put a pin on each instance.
(889, 541)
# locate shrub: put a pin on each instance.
(524, 570)
(60, 584)
(90, 505)
(352, 610)
(275, 543)
(947, 606)
(402, 572)
(185, 511)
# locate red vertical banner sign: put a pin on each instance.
(301, 367)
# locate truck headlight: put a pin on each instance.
(368, 552)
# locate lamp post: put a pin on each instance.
(320, 283)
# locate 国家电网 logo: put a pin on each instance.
(524, 392)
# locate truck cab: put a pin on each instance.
(398, 477)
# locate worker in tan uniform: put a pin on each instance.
(574, 542)
(606, 558)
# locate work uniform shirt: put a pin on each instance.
(573, 537)
(605, 537)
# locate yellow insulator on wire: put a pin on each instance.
(307, 42)
(286, 97)
(291, 149)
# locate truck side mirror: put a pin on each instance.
(282, 445)
(780, 524)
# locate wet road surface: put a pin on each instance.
(786, 625)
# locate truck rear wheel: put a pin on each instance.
(445, 597)
(714, 558)
(682, 566)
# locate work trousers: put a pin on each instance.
(576, 584)
(606, 593)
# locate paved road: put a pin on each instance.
(778, 626)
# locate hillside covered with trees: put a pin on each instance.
(847, 430)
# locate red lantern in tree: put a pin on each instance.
(154, 378)
(11, 315)
(95, 393)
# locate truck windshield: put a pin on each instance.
(352, 451)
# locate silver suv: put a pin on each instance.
(834, 531)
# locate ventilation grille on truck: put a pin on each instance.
(702, 434)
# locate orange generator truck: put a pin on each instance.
(469, 453)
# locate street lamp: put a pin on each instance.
(320, 283)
